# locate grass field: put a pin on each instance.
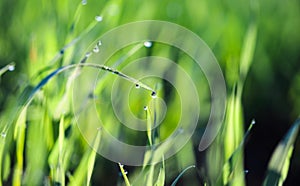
(51, 108)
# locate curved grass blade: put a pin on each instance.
(181, 174)
(279, 164)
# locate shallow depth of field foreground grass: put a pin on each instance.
(46, 48)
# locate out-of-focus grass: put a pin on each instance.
(40, 142)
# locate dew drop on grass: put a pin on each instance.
(137, 86)
(145, 108)
(99, 43)
(99, 18)
(246, 171)
(148, 44)
(153, 94)
(180, 130)
(11, 67)
(3, 134)
(62, 51)
(253, 122)
(84, 2)
(88, 54)
(96, 49)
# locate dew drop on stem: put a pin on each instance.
(99, 18)
(96, 49)
(148, 44)
(88, 54)
(145, 108)
(62, 51)
(11, 67)
(84, 2)
(3, 134)
(153, 94)
(137, 86)
(99, 43)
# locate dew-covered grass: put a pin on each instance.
(48, 48)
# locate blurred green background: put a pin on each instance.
(33, 32)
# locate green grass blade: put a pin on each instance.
(92, 158)
(149, 124)
(84, 171)
(19, 136)
(279, 163)
(124, 174)
(9, 67)
(161, 175)
(248, 51)
(61, 168)
(229, 168)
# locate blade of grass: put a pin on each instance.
(92, 158)
(124, 174)
(85, 168)
(279, 164)
(61, 169)
(9, 67)
(161, 175)
(181, 174)
(229, 168)
(19, 136)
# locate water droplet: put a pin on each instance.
(88, 54)
(3, 134)
(62, 51)
(121, 165)
(125, 172)
(137, 86)
(99, 43)
(99, 18)
(253, 122)
(84, 2)
(11, 67)
(180, 130)
(153, 94)
(145, 108)
(148, 44)
(246, 171)
(96, 49)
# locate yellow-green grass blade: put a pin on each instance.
(161, 175)
(19, 136)
(248, 51)
(84, 170)
(149, 124)
(279, 164)
(92, 157)
(2, 146)
(36, 145)
(229, 169)
(124, 174)
(60, 166)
